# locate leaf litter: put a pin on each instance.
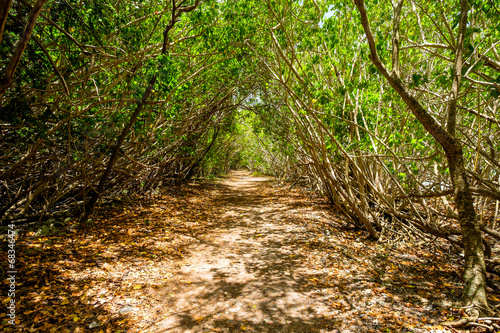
(234, 255)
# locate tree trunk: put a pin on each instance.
(474, 293)
(94, 194)
(475, 270)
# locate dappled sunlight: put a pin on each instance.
(233, 255)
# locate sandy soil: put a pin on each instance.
(249, 275)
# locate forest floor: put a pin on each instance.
(235, 255)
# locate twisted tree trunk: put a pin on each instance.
(474, 294)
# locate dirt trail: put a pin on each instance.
(238, 255)
(249, 275)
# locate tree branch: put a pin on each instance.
(457, 69)
(395, 37)
(7, 80)
(425, 118)
(4, 12)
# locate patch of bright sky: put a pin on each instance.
(327, 15)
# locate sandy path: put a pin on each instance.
(247, 276)
(233, 256)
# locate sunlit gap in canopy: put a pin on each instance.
(326, 16)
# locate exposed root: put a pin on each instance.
(491, 324)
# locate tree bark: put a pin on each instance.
(475, 270)
(4, 12)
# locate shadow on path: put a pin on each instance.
(272, 261)
(250, 276)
